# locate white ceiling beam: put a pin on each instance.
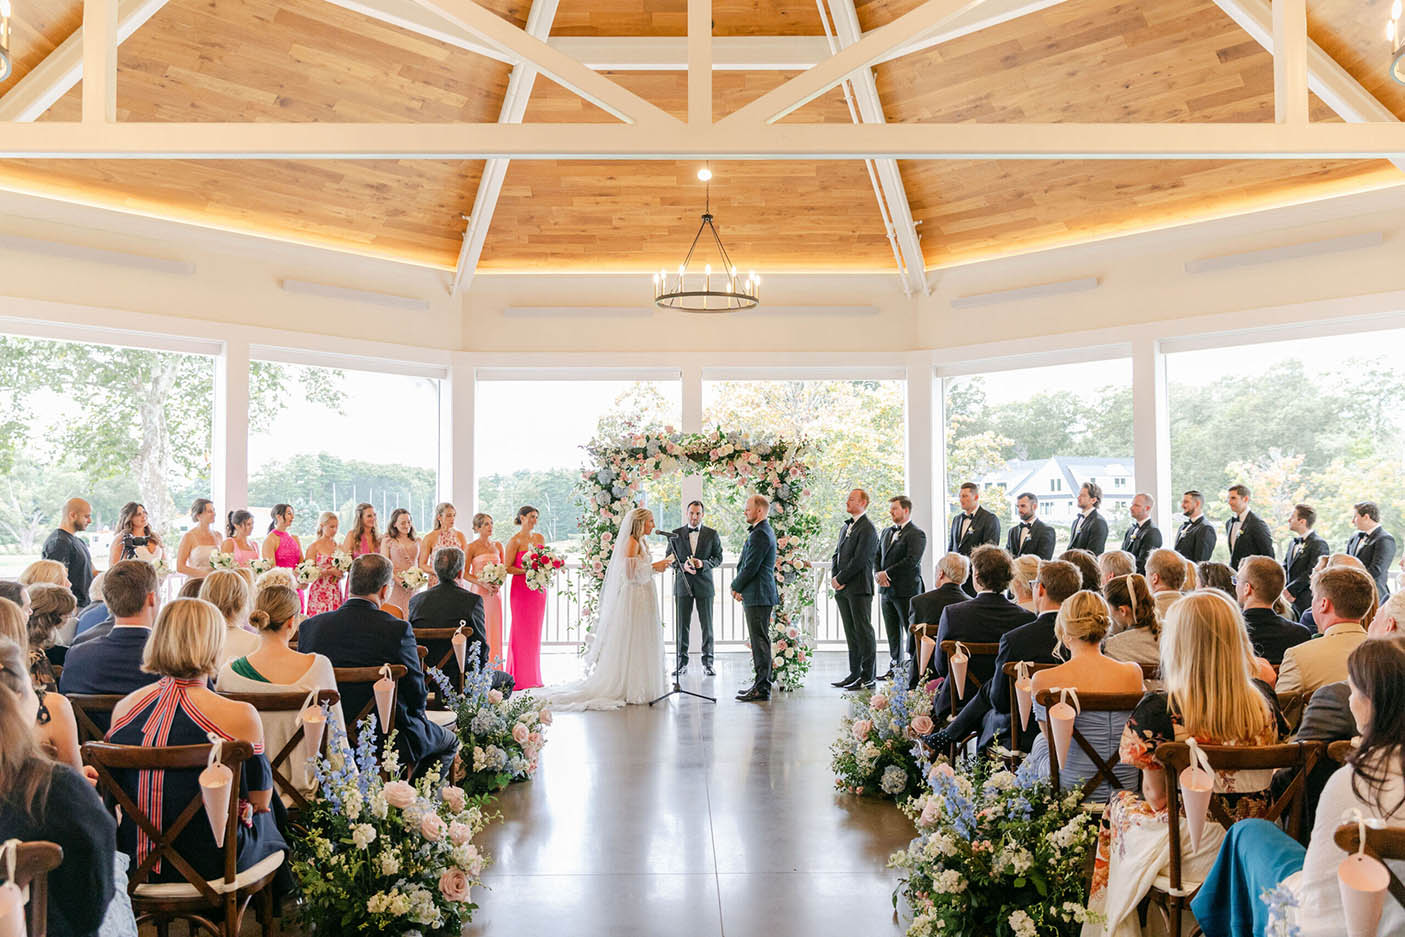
(100, 61)
(810, 84)
(317, 140)
(513, 109)
(890, 181)
(564, 70)
(1290, 61)
(62, 68)
(700, 62)
(412, 17)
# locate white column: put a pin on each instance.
(921, 456)
(1151, 427)
(458, 482)
(229, 466)
(940, 487)
(692, 486)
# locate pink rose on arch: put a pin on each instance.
(862, 728)
(544, 717)
(753, 458)
(535, 738)
(399, 794)
(520, 733)
(454, 885)
(921, 724)
(879, 701)
(455, 798)
(714, 455)
(460, 833)
(795, 471)
(433, 827)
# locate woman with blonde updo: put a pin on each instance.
(227, 591)
(1022, 586)
(50, 571)
(51, 611)
(1083, 621)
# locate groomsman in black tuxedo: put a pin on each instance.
(1030, 535)
(1246, 532)
(1143, 536)
(698, 551)
(1302, 556)
(1196, 539)
(899, 577)
(1089, 531)
(852, 570)
(973, 527)
(1372, 545)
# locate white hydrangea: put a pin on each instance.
(1068, 834)
(1073, 911)
(390, 863)
(1000, 781)
(1022, 924)
(1019, 861)
(363, 834)
(950, 882)
(352, 804)
(940, 844)
(379, 806)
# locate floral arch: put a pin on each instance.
(772, 467)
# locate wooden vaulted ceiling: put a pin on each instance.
(1081, 60)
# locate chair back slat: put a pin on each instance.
(977, 649)
(34, 861)
(425, 635)
(367, 676)
(1011, 671)
(395, 610)
(1102, 767)
(88, 705)
(1150, 671)
(279, 703)
(1385, 844)
(1340, 750)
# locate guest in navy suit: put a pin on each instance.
(359, 634)
(1301, 559)
(112, 663)
(1089, 530)
(754, 585)
(446, 604)
(1372, 545)
(1143, 536)
(1030, 535)
(1257, 587)
(1245, 532)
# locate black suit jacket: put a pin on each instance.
(852, 562)
(1254, 540)
(926, 609)
(1298, 563)
(900, 556)
(990, 710)
(110, 663)
(1091, 533)
(709, 552)
(1375, 551)
(1196, 540)
(444, 606)
(985, 528)
(1271, 635)
(1140, 540)
(984, 619)
(1040, 541)
(361, 635)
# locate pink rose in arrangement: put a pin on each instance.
(495, 697)
(520, 733)
(931, 811)
(544, 717)
(433, 827)
(455, 798)
(453, 885)
(535, 738)
(941, 767)
(862, 728)
(921, 724)
(399, 794)
(879, 701)
(459, 833)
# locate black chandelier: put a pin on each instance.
(703, 291)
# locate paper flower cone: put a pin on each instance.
(1061, 716)
(1197, 784)
(215, 781)
(1362, 881)
(1024, 693)
(960, 658)
(385, 692)
(12, 921)
(314, 724)
(927, 647)
(460, 643)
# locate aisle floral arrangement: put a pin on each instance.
(541, 565)
(875, 754)
(501, 736)
(385, 857)
(997, 853)
(792, 653)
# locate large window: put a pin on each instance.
(1047, 431)
(104, 423)
(324, 439)
(1314, 421)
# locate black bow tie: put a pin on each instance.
(1024, 525)
(693, 529)
(970, 517)
(1298, 541)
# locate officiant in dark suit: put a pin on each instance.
(1246, 533)
(1372, 545)
(1306, 548)
(899, 577)
(1089, 530)
(1143, 536)
(973, 527)
(698, 551)
(1030, 536)
(852, 571)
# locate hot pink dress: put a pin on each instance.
(492, 604)
(287, 554)
(364, 546)
(524, 646)
(324, 595)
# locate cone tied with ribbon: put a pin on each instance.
(1061, 716)
(1024, 692)
(12, 920)
(960, 658)
(314, 723)
(927, 647)
(460, 643)
(215, 782)
(1197, 784)
(384, 689)
(1363, 881)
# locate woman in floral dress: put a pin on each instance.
(324, 595)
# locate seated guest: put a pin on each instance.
(1209, 695)
(1212, 575)
(277, 668)
(190, 589)
(1257, 855)
(359, 634)
(49, 571)
(95, 613)
(1259, 586)
(228, 591)
(1035, 641)
(1134, 612)
(1023, 585)
(1341, 600)
(1192, 577)
(50, 607)
(55, 725)
(277, 576)
(16, 592)
(1082, 623)
(112, 663)
(1115, 563)
(1165, 573)
(183, 654)
(41, 799)
(926, 609)
(1302, 556)
(444, 605)
(1336, 559)
(1087, 564)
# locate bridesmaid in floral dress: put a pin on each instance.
(483, 550)
(402, 548)
(363, 536)
(283, 548)
(528, 606)
(324, 595)
(443, 535)
(239, 525)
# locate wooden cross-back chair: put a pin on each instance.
(195, 899)
(1102, 767)
(1150, 671)
(1171, 894)
(1011, 669)
(88, 705)
(282, 761)
(977, 650)
(34, 861)
(425, 635)
(367, 676)
(1384, 844)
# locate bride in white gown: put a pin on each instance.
(625, 661)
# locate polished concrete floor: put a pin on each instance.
(689, 819)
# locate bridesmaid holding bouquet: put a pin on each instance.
(443, 535)
(402, 548)
(280, 546)
(528, 606)
(239, 525)
(363, 536)
(324, 595)
(484, 551)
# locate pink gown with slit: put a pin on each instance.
(524, 644)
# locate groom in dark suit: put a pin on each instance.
(754, 586)
(852, 567)
(698, 551)
(899, 577)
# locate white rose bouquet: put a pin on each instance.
(259, 565)
(342, 560)
(413, 577)
(220, 560)
(493, 574)
(792, 652)
(307, 572)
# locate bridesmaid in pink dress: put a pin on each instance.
(281, 547)
(324, 595)
(443, 535)
(524, 645)
(238, 525)
(483, 550)
(363, 536)
(402, 548)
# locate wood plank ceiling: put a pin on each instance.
(307, 60)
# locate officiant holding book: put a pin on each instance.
(697, 551)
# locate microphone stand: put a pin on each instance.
(673, 547)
